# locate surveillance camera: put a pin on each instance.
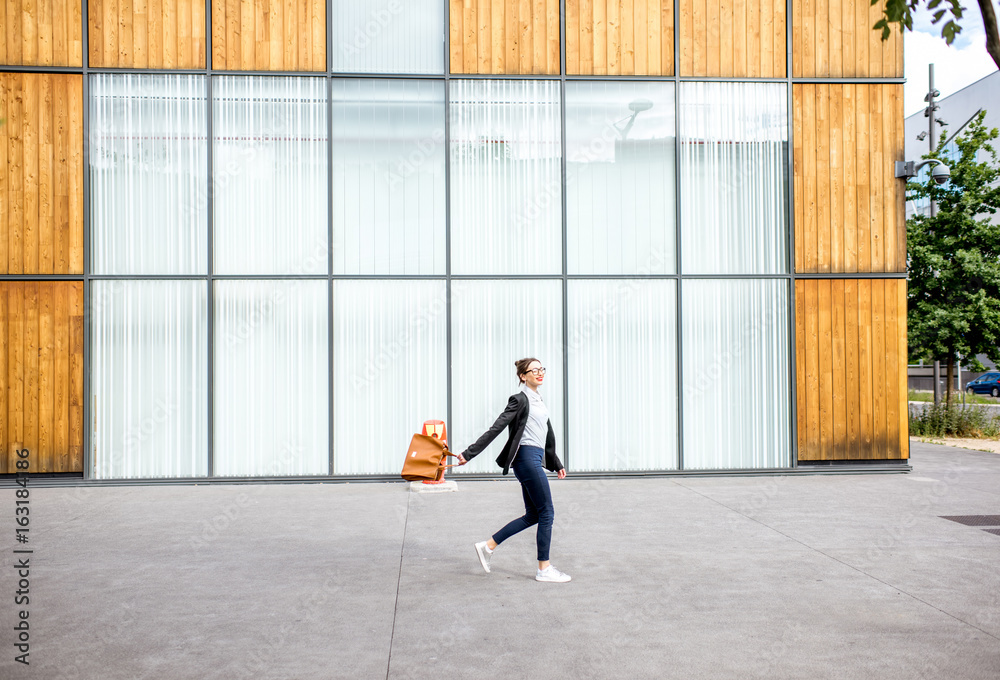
(940, 173)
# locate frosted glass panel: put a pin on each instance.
(388, 177)
(390, 370)
(149, 379)
(148, 170)
(734, 177)
(495, 323)
(270, 175)
(736, 379)
(620, 208)
(388, 36)
(271, 378)
(622, 348)
(506, 177)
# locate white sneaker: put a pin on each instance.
(552, 575)
(484, 555)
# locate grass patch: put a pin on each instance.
(927, 395)
(937, 420)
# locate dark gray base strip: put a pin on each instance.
(38, 481)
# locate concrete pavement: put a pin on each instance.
(818, 576)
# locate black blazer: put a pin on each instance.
(514, 418)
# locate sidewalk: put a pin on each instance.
(814, 576)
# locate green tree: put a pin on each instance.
(954, 258)
(900, 12)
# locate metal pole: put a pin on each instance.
(960, 388)
(929, 112)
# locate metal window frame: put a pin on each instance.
(85, 70)
(793, 409)
(88, 463)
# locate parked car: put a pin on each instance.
(988, 383)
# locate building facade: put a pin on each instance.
(269, 240)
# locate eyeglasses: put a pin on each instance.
(536, 371)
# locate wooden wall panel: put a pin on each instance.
(41, 374)
(146, 33)
(834, 39)
(504, 36)
(41, 33)
(733, 38)
(641, 43)
(269, 35)
(850, 358)
(849, 207)
(41, 173)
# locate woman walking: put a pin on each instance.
(531, 445)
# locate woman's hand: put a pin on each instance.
(562, 473)
(461, 460)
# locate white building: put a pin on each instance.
(956, 110)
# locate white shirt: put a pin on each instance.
(536, 429)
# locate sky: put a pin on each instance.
(962, 63)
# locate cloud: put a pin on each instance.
(962, 63)
(971, 23)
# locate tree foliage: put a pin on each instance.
(954, 257)
(900, 12)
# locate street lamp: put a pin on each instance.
(940, 176)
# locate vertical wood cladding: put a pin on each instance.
(146, 33)
(504, 36)
(850, 355)
(620, 37)
(834, 38)
(41, 173)
(849, 206)
(733, 38)
(41, 33)
(269, 35)
(41, 369)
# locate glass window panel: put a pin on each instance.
(390, 361)
(149, 379)
(620, 145)
(271, 411)
(148, 170)
(622, 348)
(734, 177)
(388, 36)
(736, 375)
(506, 177)
(495, 323)
(388, 177)
(270, 175)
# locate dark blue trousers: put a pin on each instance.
(537, 500)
